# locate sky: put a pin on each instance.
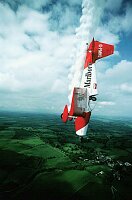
(39, 45)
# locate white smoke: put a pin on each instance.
(91, 14)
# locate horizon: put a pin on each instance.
(93, 117)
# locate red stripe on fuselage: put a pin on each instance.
(81, 122)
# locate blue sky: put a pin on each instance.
(38, 43)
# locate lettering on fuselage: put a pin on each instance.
(100, 49)
(88, 76)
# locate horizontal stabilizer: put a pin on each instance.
(64, 115)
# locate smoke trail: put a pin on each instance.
(91, 13)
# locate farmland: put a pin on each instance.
(42, 158)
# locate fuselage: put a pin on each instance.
(83, 95)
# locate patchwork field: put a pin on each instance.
(42, 158)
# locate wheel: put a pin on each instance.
(61, 115)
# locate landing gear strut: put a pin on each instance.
(81, 139)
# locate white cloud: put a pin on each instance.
(36, 55)
(121, 23)
(119, 73)
(115, 26)
(113, 5)
(34, 60)
(35, 4)
(106, 103)
(115, 87)
(104, 34)
(114, 82)
(126, 87)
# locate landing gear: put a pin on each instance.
(93, 98)
(61, 115)
(81, 139)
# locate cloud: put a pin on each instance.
(119, 73)
(38, 48)
(84, 34)
(113, 5)
(104, 34)
(114, 79)
(14, 4)
(106, 103)
(122, 23)
(115, 24)
(115, 87)
(35, 4)
(34, 60)
(126, 87)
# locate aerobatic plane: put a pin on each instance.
(83, 96)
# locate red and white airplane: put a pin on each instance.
(80, 109)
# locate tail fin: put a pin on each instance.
(102, 50)
(97, 50)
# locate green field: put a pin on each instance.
(42, 158)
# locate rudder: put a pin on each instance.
(102, 50)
